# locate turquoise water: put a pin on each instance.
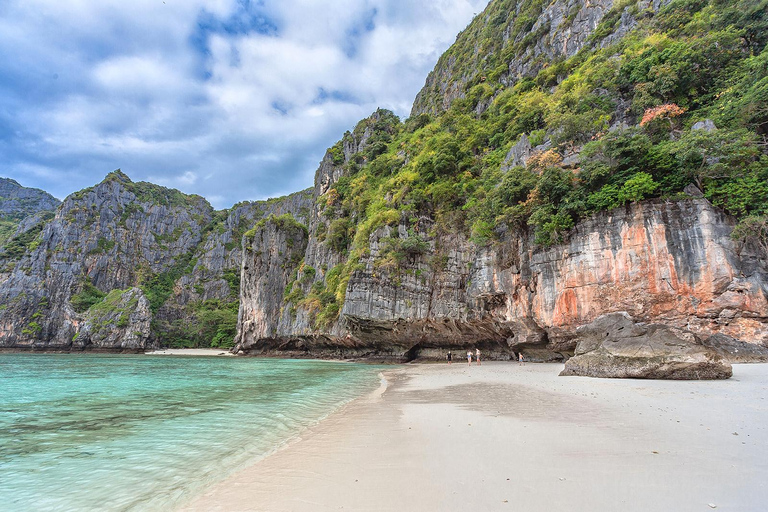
(87, 432)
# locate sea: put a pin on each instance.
(147, 433)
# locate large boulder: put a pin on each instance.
(614, 346)
(737, 351)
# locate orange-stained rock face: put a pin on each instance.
(662, 262)
(670, 263)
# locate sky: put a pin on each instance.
(230, 99)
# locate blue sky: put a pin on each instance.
(230, 99)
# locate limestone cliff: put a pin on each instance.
(545, 178)
(123, 266)
(19, 202)
(515, 39)
(667, 262)
(22, 210)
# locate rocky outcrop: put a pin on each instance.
(415, 291)
(120, 322)
(530, 36)
(736, 351)
(23, 212)
(19, 202)
(518, 154)
(109, 237)
(614, 346)
(667, 262)
(273, 252)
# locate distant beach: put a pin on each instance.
(199, 352)
(507, 437)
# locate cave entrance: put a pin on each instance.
(412, 353)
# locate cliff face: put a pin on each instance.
(672, 263)
(544, 179)
(667, 262)
(123, 266)
(528, 202)
(22, 209)
(515, 39)
(19, 202)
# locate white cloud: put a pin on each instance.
(93, 85)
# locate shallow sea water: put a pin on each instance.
(93, 432)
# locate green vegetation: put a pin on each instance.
(396, 251)
(112, 306)
(128, 212)
(285, 222)
(211, 323)
(32, 329)
(327, 297)
(173, 236)
(7, 229)
(159, 287)
(753, 229)
(88, 296)
(689, 62)
(17, 246)
(232, 277)
(104, 245)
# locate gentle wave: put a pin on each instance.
(89, 432)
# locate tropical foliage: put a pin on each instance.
(613, 125)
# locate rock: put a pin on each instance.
(121, 321)
(545, 146)
(662, 261)
(18, 202)
(518, 155)
(119, 235)
(736, 351)
(24, 209)
(572, 159)
(614, 346)
(707, 125)
(692, 190)
(561, 29)
(271, 255)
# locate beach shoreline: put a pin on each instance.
(502, 436)
(195, 352)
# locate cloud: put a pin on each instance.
(230, 99)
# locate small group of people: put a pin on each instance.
(520, 359)
(469, 357)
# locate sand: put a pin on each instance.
(503, 437)
(197, 352)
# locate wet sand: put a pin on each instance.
(505, 437)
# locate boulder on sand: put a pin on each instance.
(614, 346)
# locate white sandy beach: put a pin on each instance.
(199, 352)
(503, 437)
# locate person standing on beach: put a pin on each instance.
(520, 359)
(469, 358)
(477, 356)
(450, 357)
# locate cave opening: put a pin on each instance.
(413, 353)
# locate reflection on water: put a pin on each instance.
(88, 432)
